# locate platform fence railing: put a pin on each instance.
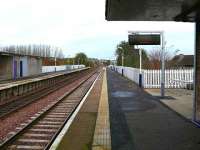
(46, 69)
(174, 78)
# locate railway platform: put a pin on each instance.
(4, 82)
(117, 114)
(89, 128)
(9, 83)
(140, 121)
(12, 89)
(137, 121)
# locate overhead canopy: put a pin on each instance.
(151, 10)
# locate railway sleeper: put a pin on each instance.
(41, 130)
(47, 125)
(34, 141)
(49, 122)
(26, 147)
(37, 135)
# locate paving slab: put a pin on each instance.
(179, 100)
(140, 121)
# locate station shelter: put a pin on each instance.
(13, 66)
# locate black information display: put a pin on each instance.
(144, 39)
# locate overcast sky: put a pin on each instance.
(79, 26)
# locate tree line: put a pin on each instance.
(79, 59)
(150, 60)
(34, 50)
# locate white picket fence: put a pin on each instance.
(46, 69)
(174, 78)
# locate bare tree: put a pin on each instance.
(155, 58)
(34, 50)
(60, 54)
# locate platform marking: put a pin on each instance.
(102, 138)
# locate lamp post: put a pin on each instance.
(68, 63)
(78, 62)
(55, 63)
(140, 75)
(122, 54)
(68, 59)
(55, 59)
(123, 58)
(73, 63)
(122, 62)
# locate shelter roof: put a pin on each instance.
(151, 10)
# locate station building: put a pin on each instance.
(13, 66)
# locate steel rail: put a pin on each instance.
(25, 100)
(42, 115)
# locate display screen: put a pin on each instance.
(144, 39)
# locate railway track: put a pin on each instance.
(40, 132)
(22, 101)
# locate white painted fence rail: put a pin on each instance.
(46, 69)
(174, 78)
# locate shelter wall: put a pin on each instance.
(34, 65)
(13, 67)
(5, 67)
(30, 65)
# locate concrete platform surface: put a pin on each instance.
(140, 121)
(13, 83)
(179, 100)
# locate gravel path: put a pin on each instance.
(10, 123)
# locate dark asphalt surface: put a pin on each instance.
(140, 122)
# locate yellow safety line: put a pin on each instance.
(102, 138)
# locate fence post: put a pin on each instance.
(140, 80)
